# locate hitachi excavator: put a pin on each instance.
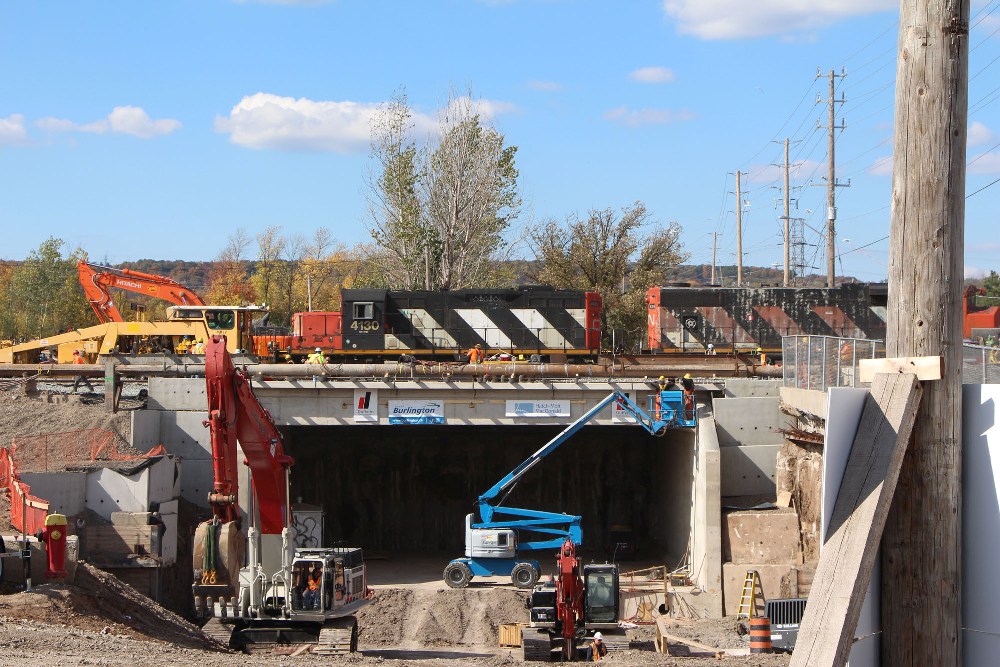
(251, 583)
(96, 280)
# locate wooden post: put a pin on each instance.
(787, 220)
(739, 232)
(921, 548)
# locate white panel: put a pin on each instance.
(980, 523)
(844, 415)
(485, 327)
(539, 326)
(429, 328)
(880, 312)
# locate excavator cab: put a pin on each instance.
(600, 585)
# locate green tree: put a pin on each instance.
(440, 213)
(619, 255)
(991, 284)
(44, 296)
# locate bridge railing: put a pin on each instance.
(980, 364)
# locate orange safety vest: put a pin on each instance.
(78, 359)
(314, 583)
(475, 355)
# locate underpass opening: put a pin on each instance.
(407, 489)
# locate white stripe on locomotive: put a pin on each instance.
(484, 327)
(547, 334)
(429, 328)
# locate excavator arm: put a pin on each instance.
(97, 280)
(234, 415)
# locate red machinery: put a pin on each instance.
(97, 280)
(282, 594)
(566, 610)
(977, 317)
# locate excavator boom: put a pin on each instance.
(97, 280)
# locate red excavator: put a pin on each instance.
(97, 280)
(278, 594)
(976, 316)
(568, 609)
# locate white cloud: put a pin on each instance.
(12, 130)
(735, 19)
(266, 121)
(652, 75)
(987, 163)
(881, 166)
(547, 86)
(640, 117)
(271, 122)
(974, 273)
(979, 134)
(122, 120)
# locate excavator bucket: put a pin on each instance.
(218, 556)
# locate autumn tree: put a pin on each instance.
(618, 254)
(228, 278)
(440, 213)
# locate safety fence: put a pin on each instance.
(819, 362)
(27, 513)
(980, 364)
(56, 451)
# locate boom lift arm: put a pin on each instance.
(492, 544)
(96, 280)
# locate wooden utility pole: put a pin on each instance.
(788, 215)
(921, 547)
(739, 232)
(831, 179)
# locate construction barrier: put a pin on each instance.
(55, 451)
(27, 513)
(760, 634)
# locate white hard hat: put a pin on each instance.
(598, 635)
(319, 349)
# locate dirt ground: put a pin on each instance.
(413, 620)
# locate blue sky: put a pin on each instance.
(153, 130)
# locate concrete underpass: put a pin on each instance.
(408, 488)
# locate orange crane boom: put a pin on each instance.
(98, 280)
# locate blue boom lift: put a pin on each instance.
(494, 546)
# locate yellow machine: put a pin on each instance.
(184, 323)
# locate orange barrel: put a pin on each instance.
(760, 635)
(54, 535)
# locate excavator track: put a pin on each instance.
(216, 630)
(338, 636)
(536, 646)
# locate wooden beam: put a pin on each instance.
(925, 368)
(859, 516)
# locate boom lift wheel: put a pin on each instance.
(524, 575)
(457, 575)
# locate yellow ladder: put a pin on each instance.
(748, 597)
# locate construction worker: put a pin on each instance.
(596, 649)
(687, 384)
(310, 597)
(476, 355)
(198, 347)
(602, 592)
(185, 345)
(710, 349)
(80, 379)
(316, 357)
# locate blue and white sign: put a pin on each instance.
(538, 408)
(416, 412)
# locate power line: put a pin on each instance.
(989, 185)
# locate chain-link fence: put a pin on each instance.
(818, 362)
(980, 364)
